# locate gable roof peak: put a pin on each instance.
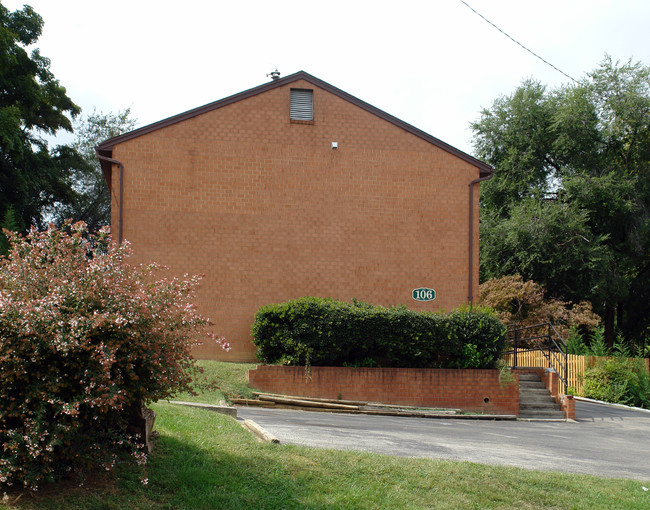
(105, 148)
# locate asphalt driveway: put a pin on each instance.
(604, 440)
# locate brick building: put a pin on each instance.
(296, 188)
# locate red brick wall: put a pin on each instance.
(268, 211)
(421, 387)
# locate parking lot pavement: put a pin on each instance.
(603, 441)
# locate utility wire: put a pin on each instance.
(514, 40)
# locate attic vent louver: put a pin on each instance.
(302, 104)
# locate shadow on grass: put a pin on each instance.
(191, 477)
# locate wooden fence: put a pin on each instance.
(576, 365)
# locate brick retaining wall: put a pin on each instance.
(469, 390)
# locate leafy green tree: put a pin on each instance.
(92, 203)
(8, 223)
(33, 178)
(569, 206)
(514, 136)
(543, 240)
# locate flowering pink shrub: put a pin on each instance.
(84, 339)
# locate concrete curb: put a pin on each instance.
(433, 415)
(493, 417)
(550, 420)
(260, 432)
(603, 403)
(229, 411)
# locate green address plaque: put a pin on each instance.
(424, 294)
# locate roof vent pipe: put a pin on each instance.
(275, 75)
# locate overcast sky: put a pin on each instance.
(433, 64)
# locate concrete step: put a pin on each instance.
(538, 403)
(532, 384)
(534, 393)
(533, 389)
(540, 406)
(535, 400)
(536, 396)
(545, 414)
(528, 377)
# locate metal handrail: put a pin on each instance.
(547, 350)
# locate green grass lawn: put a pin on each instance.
(220, 381)
(205, 460)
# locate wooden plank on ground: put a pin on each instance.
(252, 402)
(314, 399)
(307, 403)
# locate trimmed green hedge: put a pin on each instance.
(324, 332)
